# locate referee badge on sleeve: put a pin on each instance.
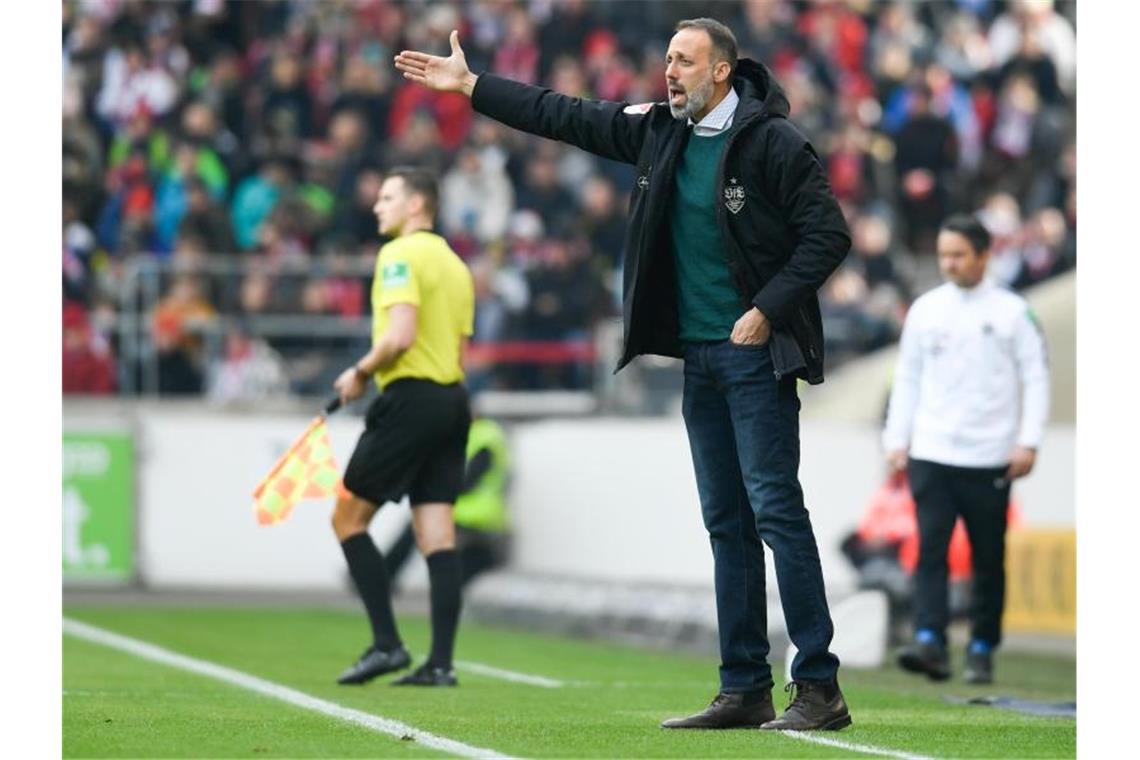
(395, 274)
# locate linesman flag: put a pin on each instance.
(307, 470)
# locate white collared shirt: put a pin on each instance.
(972, 379)
(718, 119)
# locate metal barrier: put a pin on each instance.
(649, 386)
(143, 281)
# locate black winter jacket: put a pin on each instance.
(782, 227)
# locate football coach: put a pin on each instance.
(732, 230)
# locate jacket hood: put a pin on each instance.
(759, 91)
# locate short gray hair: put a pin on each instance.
(723, 40)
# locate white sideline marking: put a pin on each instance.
(864, 748)
(510, 675)
(267, 688)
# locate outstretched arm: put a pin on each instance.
(608, 129)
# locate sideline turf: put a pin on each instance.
(116, 705)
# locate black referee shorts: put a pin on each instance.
(414, 443)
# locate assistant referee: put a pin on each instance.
(415, 431)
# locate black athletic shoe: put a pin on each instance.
(428, 675)
(739, 710)
(979, 668)
(930, 658)
(814, 707)
(375, 662)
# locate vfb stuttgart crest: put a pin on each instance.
(734, 196)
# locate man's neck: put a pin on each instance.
(969, 286)
(413, 227)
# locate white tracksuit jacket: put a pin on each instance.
(972, 379)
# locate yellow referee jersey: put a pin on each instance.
(421, 269)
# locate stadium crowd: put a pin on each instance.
(257, 133)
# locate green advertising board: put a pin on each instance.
(98, 507)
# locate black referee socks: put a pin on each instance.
(366, 565)
(446, 580)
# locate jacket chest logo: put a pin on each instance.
(734, 196)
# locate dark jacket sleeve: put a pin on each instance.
(602, 127)
(791, 166)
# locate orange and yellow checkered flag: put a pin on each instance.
(307, 470)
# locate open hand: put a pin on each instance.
(448, 74)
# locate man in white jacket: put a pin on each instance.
(967, 413)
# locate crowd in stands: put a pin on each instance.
(258, 133)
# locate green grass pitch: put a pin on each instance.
(117, 705)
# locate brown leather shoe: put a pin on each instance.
(738, 710)
(814, 707)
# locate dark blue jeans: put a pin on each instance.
(744, 435)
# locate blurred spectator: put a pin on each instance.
(78, 251)
(926, 151)
(138, 135)
(354, 222)
(349, 141)
(218, 151)
(1032, 61)
(364, 89)
(256, 197)
(88, 366)
(563, 34)
(766, 26)
(898, 22)
(602, 221)
(542, 194)
(189, 164)
(564, 296)
(221, 89)
(946, 99)
(132, 81)
(1001, 216)
(606, 68)
(850, 168)
(282, 237)
(518, 57)
(476, 197)
(206, 219)
(418, 145)
(876, 257)
(851, 325)
(179, 321)
(83, 163)
(1026, 136)
(1044, 252)
(963, 49)
(248, 370)
(125, 222)
(286, 114)
(1052, 33)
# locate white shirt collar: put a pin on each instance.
(979, 290)
(718, 119)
